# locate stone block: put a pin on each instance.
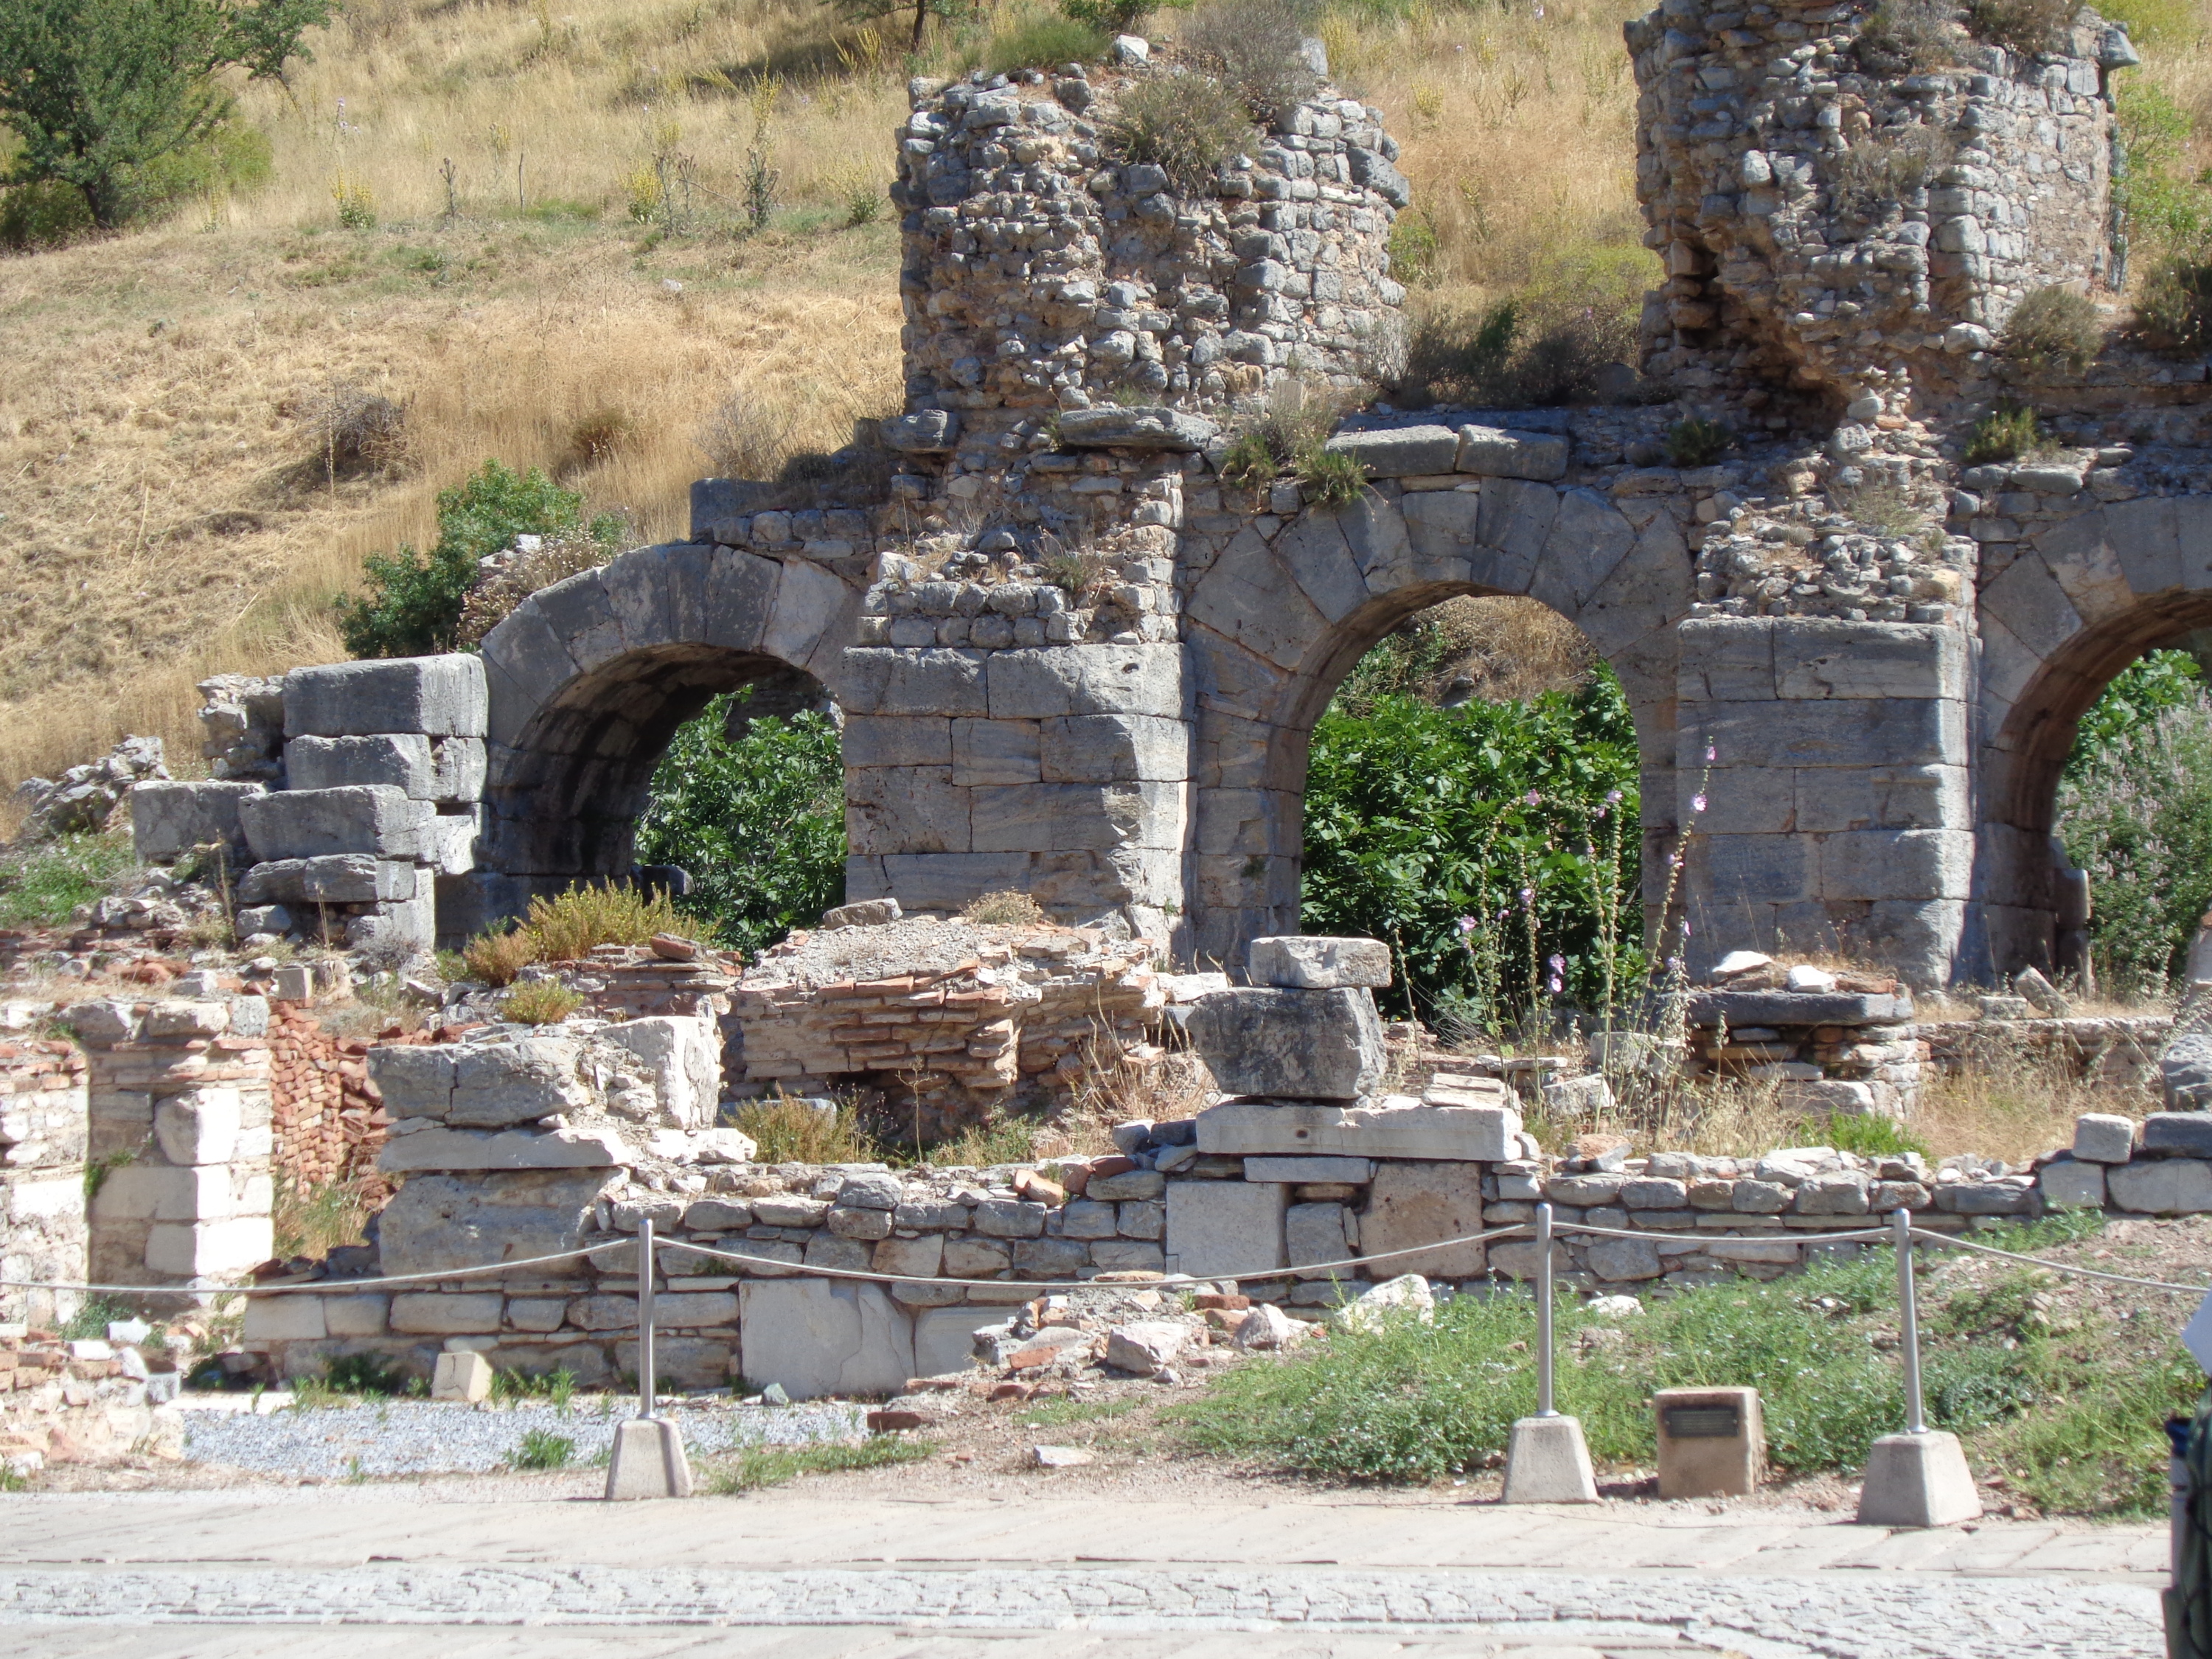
(340, 879)
(1547, 1462)
(223, 1250)
(1114, 1255)
(460, 766)
(169, 819)
(819, 1337)
(1742, 1009)
(2104, 1138)
(985, 751)
(1490, 452)
(1820, 657)
(1313, 1045)
(399, 760)
(1217, 1229)
(1145, 1347)
(1113, 748)
(1085, 679)
(2072, 1184)
(439, 696)
(414, 1080)
(912, 683)
(1708, 1464)
(945, 1339)
(1114, 427)
(2187, 1132)
(1130, 1183)
(1142, 1218)
(1301, 961)
(285, 1319)
(2176, 1186)
(1414, 1203)
(435, 1146)
(1453, 1134)
(646, 1460)
(497, 1084)
(465, 1376)
(312, 823)
(1917, 1481)
(364, 1314)
(440, 1222)
(682, 1055)
(923, 1258)
(445, 1313)
(975, 1258)
(201, 1126)
(1316, 1233)
(1621, 1260)
(1300, 1172)
(1404, 452)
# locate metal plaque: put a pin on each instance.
(1702, 1422)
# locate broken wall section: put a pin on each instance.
(44, 1105)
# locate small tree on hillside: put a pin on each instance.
(864, 11)
(97, 89)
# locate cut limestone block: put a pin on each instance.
(2187, 1132)
(1415, 1203)
(1396, 1127)
(2104, 1138)
(2175, 1186)
(398, 760)
(1300, 962)
(824, 1336)
(2072, 1184)
(169, 819)
(1217, 1229)
(308, 823)
(1299, 1045)
(439, 696)
(441, 1222)
(464, 1376)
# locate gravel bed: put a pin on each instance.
(423, 1436)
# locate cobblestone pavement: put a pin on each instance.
(1830, 1617)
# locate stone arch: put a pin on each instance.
(2061, 614)
(1273, 624)
(589, 679)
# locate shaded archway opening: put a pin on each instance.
(2066, 894)
(1462, 773)
(562, 804)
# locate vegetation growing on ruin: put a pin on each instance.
(567, 926)
(41, 884)
(2064, 1404)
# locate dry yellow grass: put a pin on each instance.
(163, 515)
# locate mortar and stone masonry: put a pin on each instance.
(1073, 661)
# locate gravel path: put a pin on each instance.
(1874, 1617)
(422, 1436)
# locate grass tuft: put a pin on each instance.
(757, 1468)
(2005, 434)
(542, 1449)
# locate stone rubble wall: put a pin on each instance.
(43, 1233)
(180, 1127)
(1849, 1051)
(83, 1401)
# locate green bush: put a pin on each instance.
(1548, 344)
(1105, 17)
(414, 602)
(1186, 125)
(1493, 846)
(2005, 434)
(2134, 811)
(542, 1449)
(757, 819)
(1330, 477)
(1414, 249)
(1695, 442)
(45, 214)
(2173, 310)
(40, 886)
(2051, 329)
(2027, 28)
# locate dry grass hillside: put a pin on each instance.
(169, 507)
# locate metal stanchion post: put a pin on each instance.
(648, 1460)
(1547, 1460)
(1918, 1478)
(1908, 1310)
(645, 1390)
(1545, 1407)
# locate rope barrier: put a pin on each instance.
(2060, 1266)
(318, 1286)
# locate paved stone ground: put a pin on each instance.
(347, 1573)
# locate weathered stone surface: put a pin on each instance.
(1313, 1045)
(1400, 453)
(441, 1222)
(305, 824)
(1220, 1228)
(437, 1147)
(1485, 1133)
(399, 761)
(1318, 1233)
(1114, 427)
(1413, 1203)
(1494, 452)
(441, 696)
(2104, 1138)
(1350, 1171)
(499, 1084)
(169, 819)
(824, 1336)
(2188, 1133)
(683, 1057)
(1618, 1260)
(926, 432)
(1147, 1346)
(1301, 961)
(2072, 1184)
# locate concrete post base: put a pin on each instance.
(649, 1461)
(1917, 1481)
(1547, 1462)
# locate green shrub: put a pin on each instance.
(1041, 40)
(2173, 311)
(1330, 477)
(1696, 442)
(94, 1316)
(1106, 17)
(1248, 463)
(413, 605)
(1867, 178)
(1904, 37)
(2027, 28)
(43, 214)
(540, 1002)
(1186, 125)
(1252, 46)
(1414, 248)
(1869, 1135)
(2156, 201)
(1550, 343)
(2005, 434)
(41, 884)
(542, 1449)
(2051, 329)
(2134, 811)
(788, 1131)
(757, 819)
(1481, 841)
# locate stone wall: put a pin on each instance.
(42, 1176)
(82, 1402)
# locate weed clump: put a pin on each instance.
(1004, 909)
(1870, 177)
(565, 928)
(1044, 42)
(1905, 37)
(1555, 341)
(773, 1466)
(2005, 434)
(785, 1130)
(542, 1449)
(541, 1002)
(1253, 48)
(2052, 329)
(1187, 125)
(1330, 477)
(1696, 442)
(2027, 28)
(2173, 314)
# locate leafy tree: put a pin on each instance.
(413, 606)
(97, 91)
(866, 11)
(1493, 846)
(758, 820)
(2135, 697)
